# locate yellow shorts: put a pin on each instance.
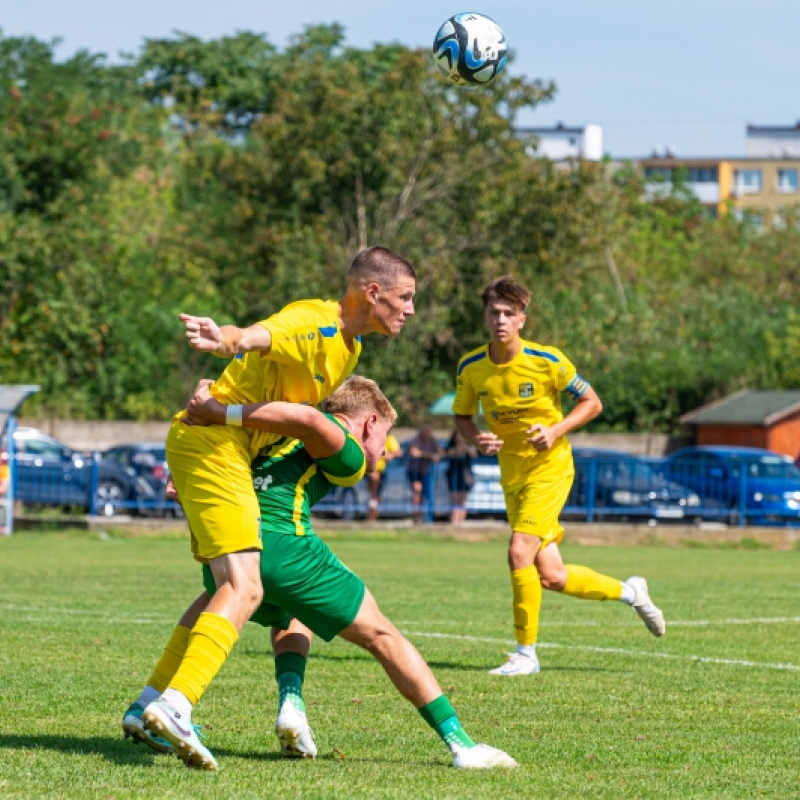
(211, 469)
(534, 507)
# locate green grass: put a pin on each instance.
(711, 710)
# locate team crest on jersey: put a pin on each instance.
(319, 378)
(525, 390)
(311, 336)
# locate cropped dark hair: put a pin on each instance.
(508, 290)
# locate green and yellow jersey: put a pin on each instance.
(308, 361)
(515, 396)
(288, 481)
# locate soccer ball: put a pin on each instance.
(470, 49)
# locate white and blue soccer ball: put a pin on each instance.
(470, 49)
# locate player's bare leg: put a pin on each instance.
(586, 584)
(413, 678)
(239, 592)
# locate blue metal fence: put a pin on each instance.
(81, 482)
(604, 488)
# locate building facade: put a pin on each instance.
(561, 142)
(759, 183)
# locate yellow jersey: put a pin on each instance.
(515, 396)
(307, 361)
(392, 446)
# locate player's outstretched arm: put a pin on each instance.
(226, 341)
(321, 437)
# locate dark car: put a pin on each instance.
(738, 484)
(147, 460)
(47, 472)
(613, 483)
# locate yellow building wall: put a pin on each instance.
(725, 176)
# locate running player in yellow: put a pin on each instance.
(518, 383)
(299, 355)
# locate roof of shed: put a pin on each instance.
(746, 408)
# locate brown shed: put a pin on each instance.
(750, 419)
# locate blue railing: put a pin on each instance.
(604, 488)
(85, 483)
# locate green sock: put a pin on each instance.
(441, 716)
(290, 669)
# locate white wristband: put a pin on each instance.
(233, 415)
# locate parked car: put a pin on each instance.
(734, 481)
(613, 483)
(147, 460)
(48, 472)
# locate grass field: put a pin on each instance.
(711, 710)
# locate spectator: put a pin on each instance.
(423, 453)
(378, 475)
(460, 454)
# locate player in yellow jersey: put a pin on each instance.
(299, 355)
(518, 384)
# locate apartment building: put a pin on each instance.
(563, 142)
(761, 182)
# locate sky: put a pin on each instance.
(687, 74)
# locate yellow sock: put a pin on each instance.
(210, 642)
(590, 585)
(170, 659)
(527, 603)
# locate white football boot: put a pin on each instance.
(481, 756)
(293, 732)
(133, 728)
(161, 719)
(518, 664)
(650, 614)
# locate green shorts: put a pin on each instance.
(303, 579)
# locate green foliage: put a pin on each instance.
(229, 177)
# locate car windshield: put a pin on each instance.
(634, 470)
(767, 467)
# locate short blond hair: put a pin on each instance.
(357, 395)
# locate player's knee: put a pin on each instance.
(553, 579)
(250, 592)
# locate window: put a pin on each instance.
(788, 180)
(41, 447)
(703, 175)
(747, 181)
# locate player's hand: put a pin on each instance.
(203, 408)
(488, 444)
(541, 437)
(202, 333)
(170, 492)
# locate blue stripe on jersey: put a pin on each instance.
(471, 360)
(577, 386)
(529, 351)
(328, 331)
